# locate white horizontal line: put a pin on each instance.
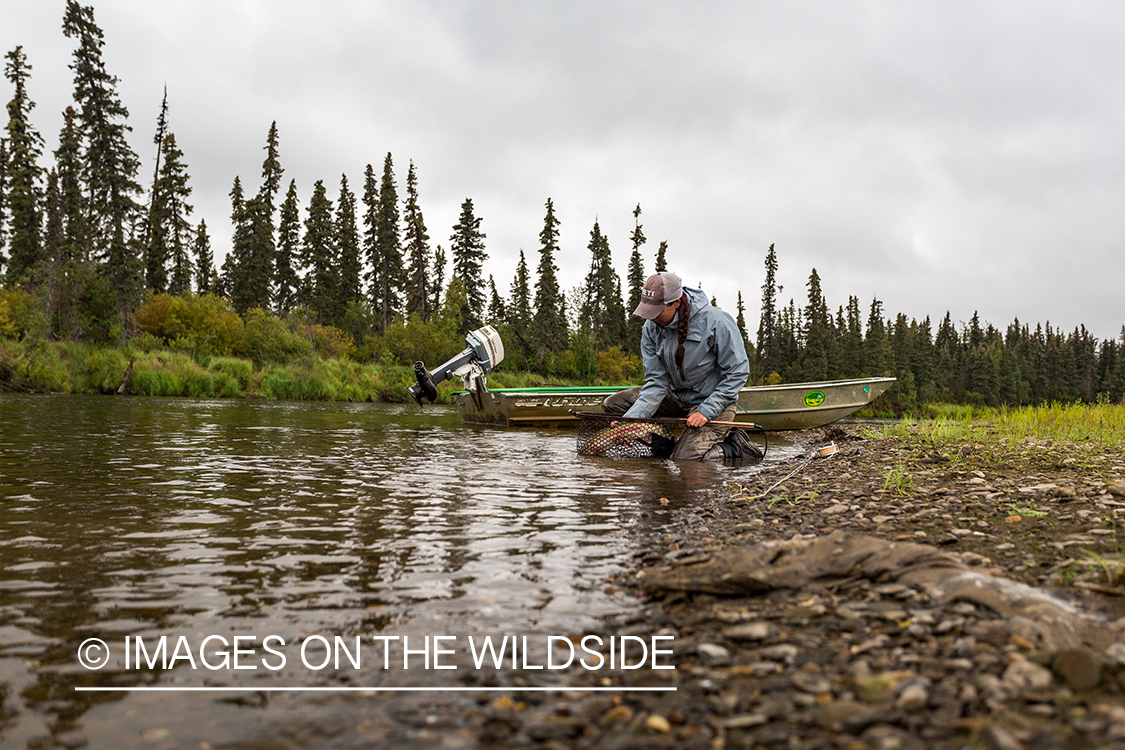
(369, 689)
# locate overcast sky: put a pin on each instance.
(940, 156)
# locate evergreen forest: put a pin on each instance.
(101, 265)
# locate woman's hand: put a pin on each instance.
(695, 419)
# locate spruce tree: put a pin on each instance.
(602, 312)
(170, 233)
(347, 250)
(519, 315)
(636, 278)
(288, 251)
(817, 334)
(519, 311)
(767, 325)
(158, 141)
(254, 276)
(416, 241)
(740, 320)
(74, 246)
(1116, 386)
(851, 341)
(549, 327)
(497, 310)
(318, 255)
(237, 262)
(205, 276)
(109, 164)
(24, 193)
(173, 183)
(388, 275)
(661, 257)
(370, 202)
(879, 360)
(467, 247)
(3, 202)
(438, 281)
(52, 243)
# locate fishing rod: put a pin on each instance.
(601, 415)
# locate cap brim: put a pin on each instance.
(648, 312)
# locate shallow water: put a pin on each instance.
(164, 517)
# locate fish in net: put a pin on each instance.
(614, 437)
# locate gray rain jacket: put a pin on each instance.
(715, 362)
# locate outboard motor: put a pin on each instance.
(484, 352)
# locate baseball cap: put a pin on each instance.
(660, 289)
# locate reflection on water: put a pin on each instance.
(151, 516)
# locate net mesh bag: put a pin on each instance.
(619, 437)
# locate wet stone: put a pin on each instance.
(1079, 667)
(1027, 675)
(713, 653)
(750, 631)
(811, 682)
(997, 738)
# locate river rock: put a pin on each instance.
(748, 631)
(878, 688)
(713, 653)
(997, 738)
(1027, 675)
(913, 697)
(1080, 667)
(811, 682)
(850, 715)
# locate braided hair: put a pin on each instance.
(681, 330)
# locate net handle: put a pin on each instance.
(660, 420)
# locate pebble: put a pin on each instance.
(996, 738)
(750, 631)
(913, 697)
(1027, 675)
(811, 682)
(745, 721)
(713, 653)
(1079, 667)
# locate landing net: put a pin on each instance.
(620, 437)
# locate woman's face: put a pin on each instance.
(666, 315)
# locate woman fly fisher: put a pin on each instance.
(695, 364)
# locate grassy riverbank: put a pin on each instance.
(67, 367)
(1097, 427)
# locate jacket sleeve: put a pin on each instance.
(657, 381)
(733, 366)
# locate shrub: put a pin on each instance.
(202, 325)
(21, 315)
(616, 366)
(265, 338)
(328, 341)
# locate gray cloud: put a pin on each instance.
(954, 156)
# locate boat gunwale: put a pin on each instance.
(615, 388)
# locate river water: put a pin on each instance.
(145, 518)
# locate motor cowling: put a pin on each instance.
(484, 352)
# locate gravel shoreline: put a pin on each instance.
(1004, 627)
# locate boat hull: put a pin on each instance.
(793, 406)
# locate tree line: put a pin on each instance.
(92, 248)
(974, 363)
